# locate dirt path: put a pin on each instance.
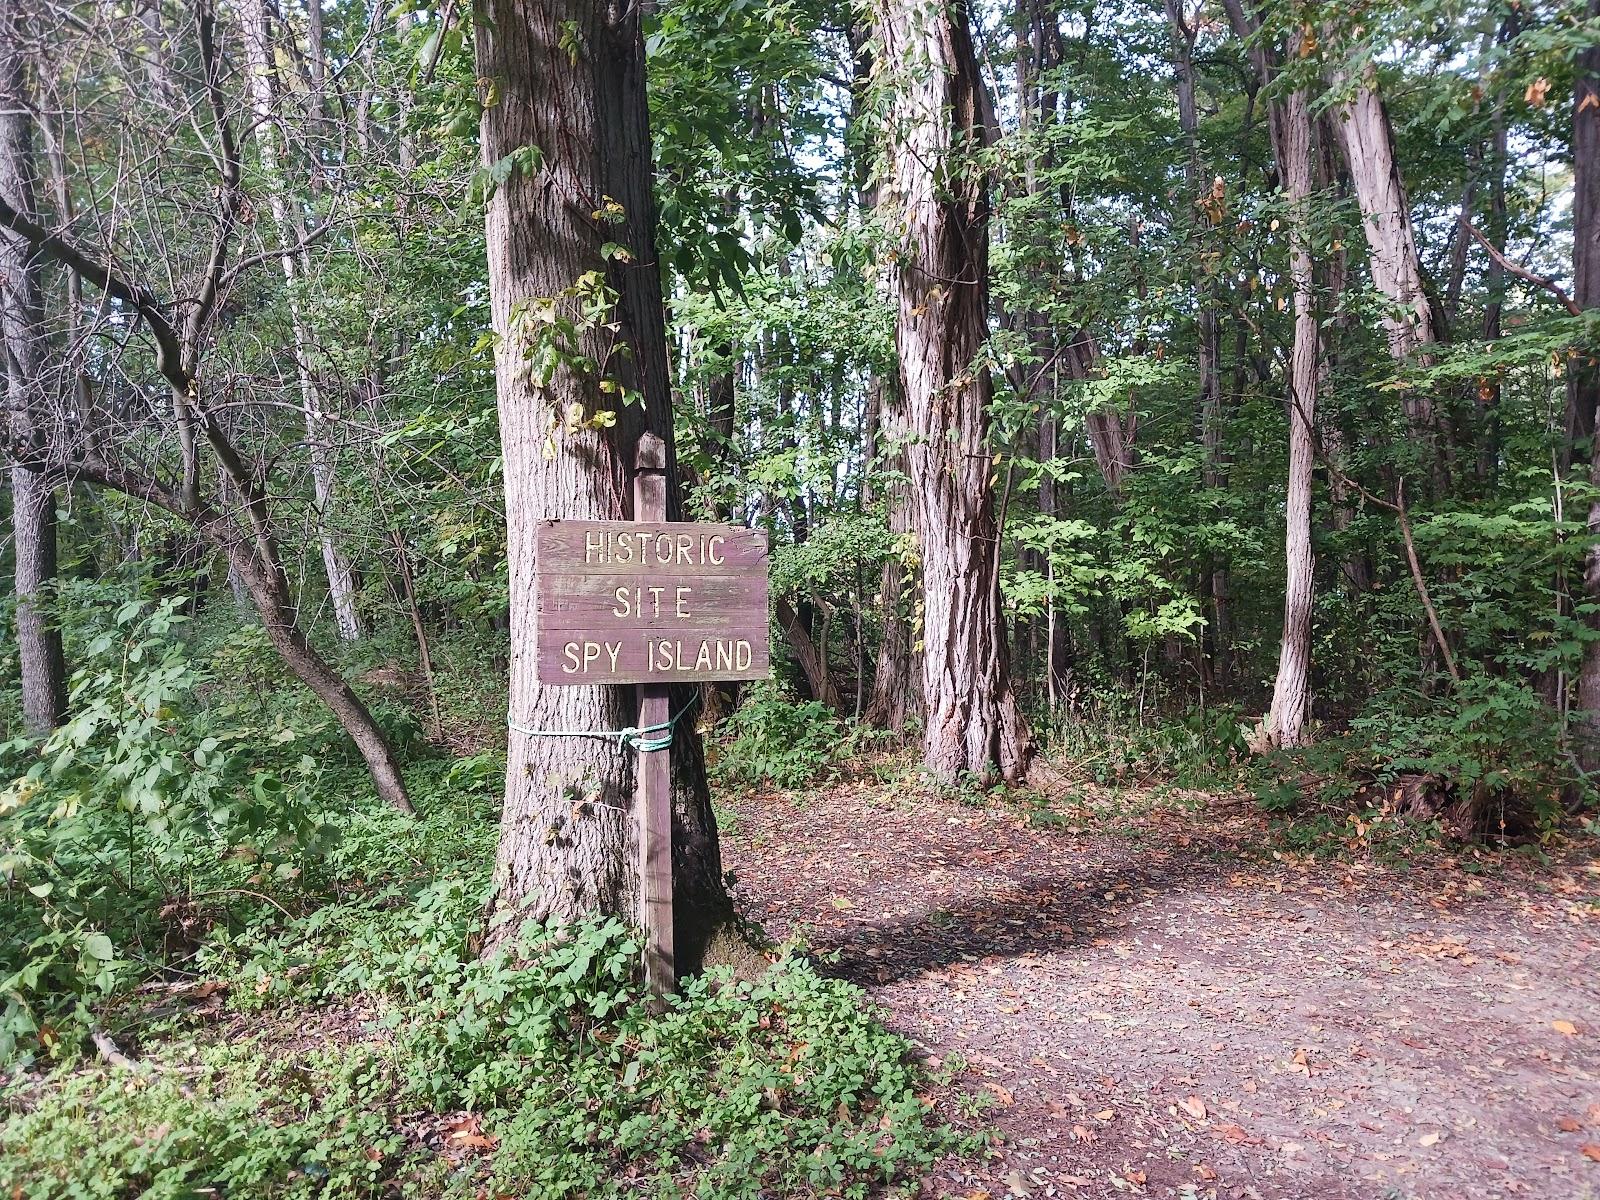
(1162, 1016)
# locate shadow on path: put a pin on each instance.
(1037, 913)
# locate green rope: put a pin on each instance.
(631, 736)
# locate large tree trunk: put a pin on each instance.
(259, 52)
(33, 498)
(570, 79)
(935, 124)
(1368, 141)
(1583, 381)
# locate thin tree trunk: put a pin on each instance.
(1199, 212)
(973, 724)
(1583, 374)
(33, 496)
(1292, 138)
(259, 47)
(1291, 692)
(808, 653)
(897, 697)
(571, 81)
(244, 532)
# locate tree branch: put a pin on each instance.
(109, 279)
(1521, 272)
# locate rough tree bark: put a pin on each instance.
(1368, 142)
(33, 497)
(941, 198)
(272, 146)
(569, 78)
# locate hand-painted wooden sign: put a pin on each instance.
(650, 602)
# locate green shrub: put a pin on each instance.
(775, 739)
(1485, 757)
(784, 1084)
(109, 818)
(234, 1125)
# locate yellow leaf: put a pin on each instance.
(1566, 1027)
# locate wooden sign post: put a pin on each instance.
(652, 602)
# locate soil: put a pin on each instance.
(1175, 1009)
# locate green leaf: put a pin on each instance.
(98, 945)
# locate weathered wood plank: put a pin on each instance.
(651, 602)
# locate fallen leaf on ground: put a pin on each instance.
(1194, 1106)
(1001, 1094)
(1590, 1151)
(1569, 1124)
(1566, 1027)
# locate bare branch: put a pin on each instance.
(109, 279)
(1522, 273)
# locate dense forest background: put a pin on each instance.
(1200, 393)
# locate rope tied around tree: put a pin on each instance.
(632, 736)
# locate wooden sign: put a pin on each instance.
(650, 602)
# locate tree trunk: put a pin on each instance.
(1368, 141)
(896, 698)
(1195, 210)
(33, 497)
(1583, 373)
(1057, 637)
(569, 78)
(808, 654)
(974, 725)
(1291, 692)
(259, 49)
(268, 586)
(1290, 121)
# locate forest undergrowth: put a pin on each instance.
(228, 966)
